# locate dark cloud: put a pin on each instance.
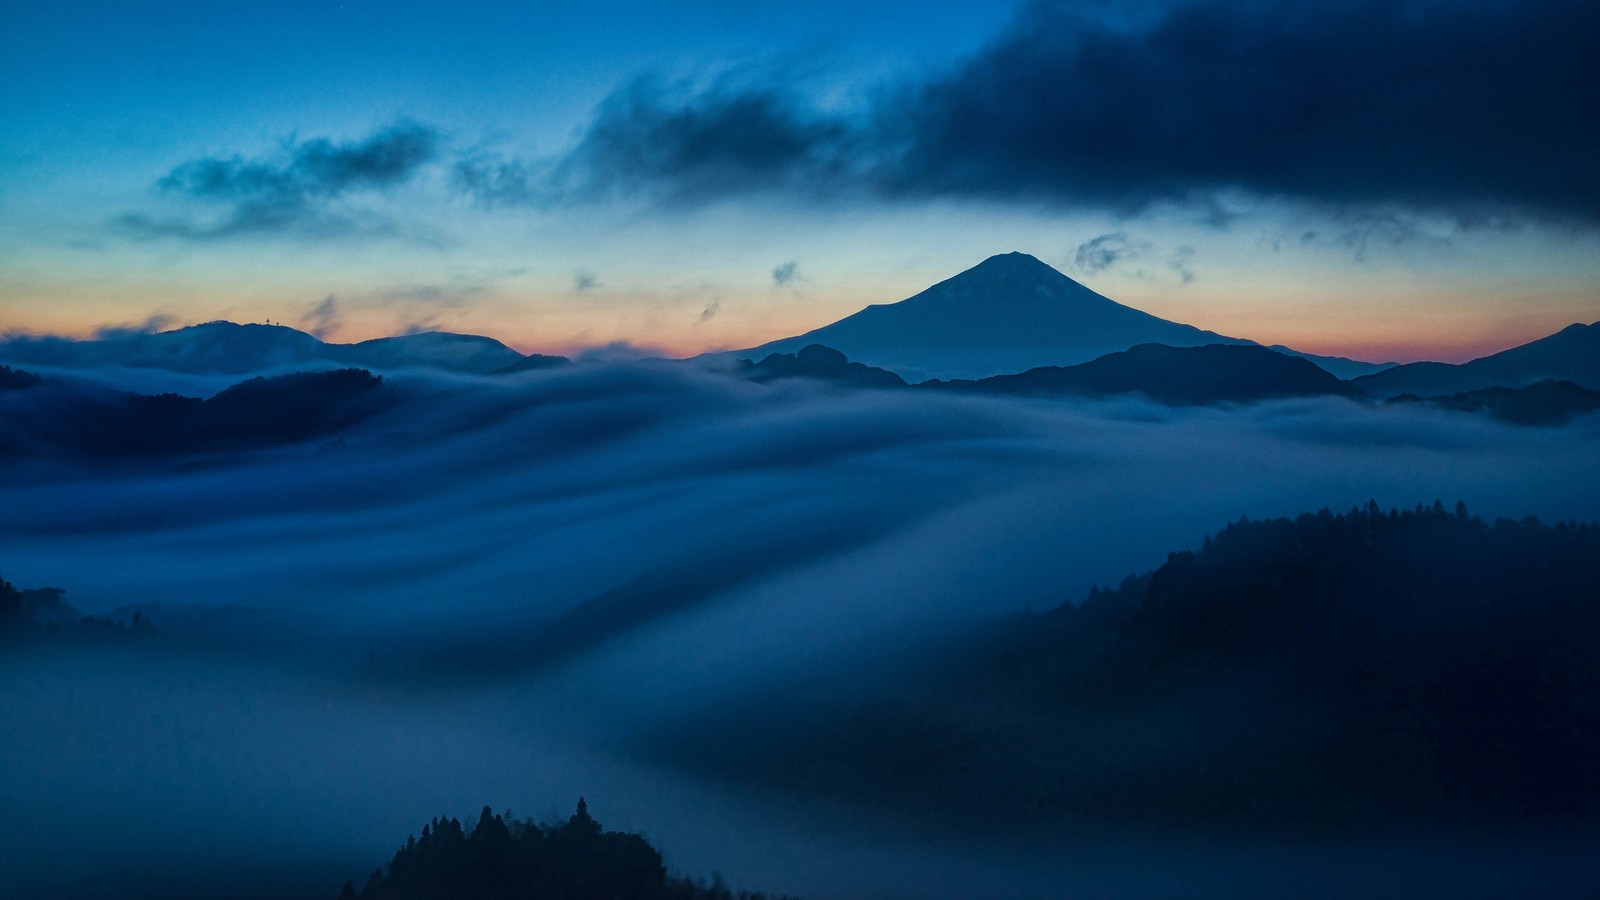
(1481, 110)
(314, 168)
(289, 192)
(650, 137)
(1471, 108)
(785, 273)
(672, 145)
(584, 280)
(711, 310)
(1435, 104)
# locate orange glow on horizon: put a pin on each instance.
(1394, 328)
(1468, 345)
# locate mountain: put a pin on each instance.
(819, 362)
(1571, 354)
(1543, 403)
(1342, 367)
(1009, 313)
(56, 419)
(533, 362)
(228, 348)
(431, 349)
(1218, 373)
(215, 347)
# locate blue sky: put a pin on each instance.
(1393, 180)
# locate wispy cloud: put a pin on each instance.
(1103, 252)
(497, 181)
(1180, 263)
(293, 191)
(322, 318)
(156, 322)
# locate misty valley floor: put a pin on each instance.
(502, 591)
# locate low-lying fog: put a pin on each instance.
(342, 627)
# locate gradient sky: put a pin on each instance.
(1382, 180)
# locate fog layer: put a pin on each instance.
(482, 593)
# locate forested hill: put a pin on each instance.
(1326, 671)
(41, 615)
(52, 419)
(502, 858)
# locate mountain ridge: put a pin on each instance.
(1180, 376)
(1571, 354)
(1009, 314)
(230, 348)
(46, 418)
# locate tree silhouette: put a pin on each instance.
(40, 614)
(1330, 670)
(507, 859)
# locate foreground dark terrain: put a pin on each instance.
(1339, 672)
(501, 858)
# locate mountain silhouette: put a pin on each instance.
(1218, 373)
(1571, 354)
(1325, 672)
(1544, 403)
(1008, 314)
(228, 348)
(56, 419)
(215, 347)
(472, 353)
(817, 361)
(532, 363)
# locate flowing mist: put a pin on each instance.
(355, 634)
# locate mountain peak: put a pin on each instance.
(1019, 294)
(219, 325)
(1014, 258)
(1013, 264)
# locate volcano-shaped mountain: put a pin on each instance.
(1010, 313)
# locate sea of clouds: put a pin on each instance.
(355, 635)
